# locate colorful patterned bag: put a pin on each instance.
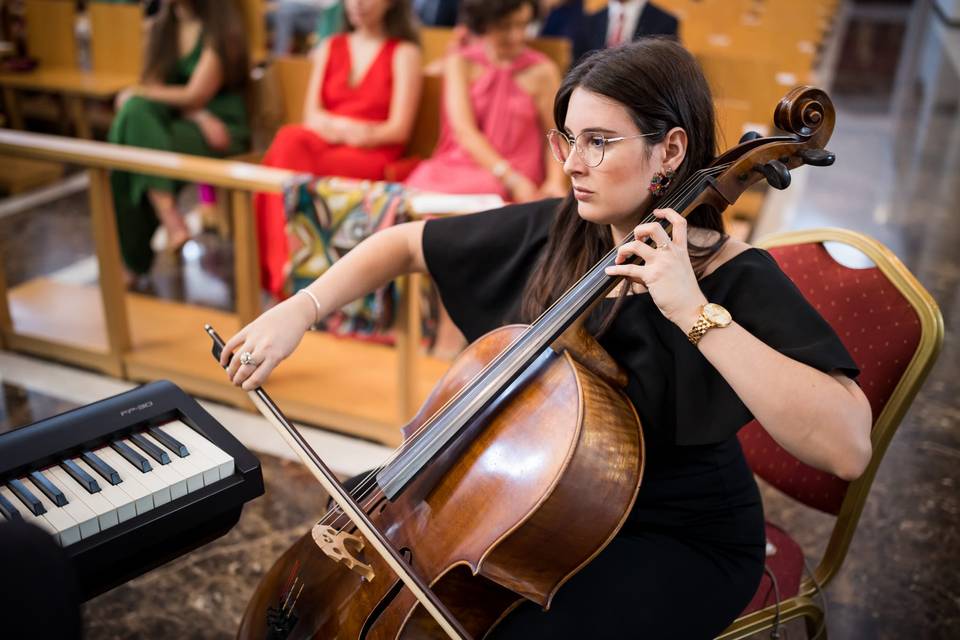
(327, 218)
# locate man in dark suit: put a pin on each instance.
(437, 13)
(619, 22)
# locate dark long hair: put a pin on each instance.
(480, 15)
(398, 22)
(661, 86)
(222, 29)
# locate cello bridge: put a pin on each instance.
(342, 547)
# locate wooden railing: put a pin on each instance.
(357, 387)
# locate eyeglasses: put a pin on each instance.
(590, 146)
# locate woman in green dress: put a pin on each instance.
(190, 100)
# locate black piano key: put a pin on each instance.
(86, 481)
(109, 473)
(31, 501)
(8, 510)
(51, 490)
(169, 442)
(152, 450)
(131, 456)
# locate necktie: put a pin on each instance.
(616, 38)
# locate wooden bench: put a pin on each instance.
(357, 387)
(115, 50)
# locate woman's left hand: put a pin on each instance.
(355, 133)
(666, 271)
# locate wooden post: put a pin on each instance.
(224, 227)
(6, 322)
(408, 346)
(12, 106)
(107, 245)
(246, 261)
(77, 115)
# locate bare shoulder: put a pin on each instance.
(408, 52)
(730, 249)
(319, 53)
(545, 73)
(548, 68)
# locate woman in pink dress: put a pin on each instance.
(498, 95)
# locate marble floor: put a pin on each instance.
(896, 178)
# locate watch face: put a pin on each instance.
(717, 314)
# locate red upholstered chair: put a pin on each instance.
(893, 329)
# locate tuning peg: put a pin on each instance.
(817, 157)
(748, 136)
(776, 173)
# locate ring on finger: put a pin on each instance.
(247, 358)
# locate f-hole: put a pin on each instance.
(390, 596)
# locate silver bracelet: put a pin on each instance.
(316, 304)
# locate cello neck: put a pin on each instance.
(505, 373)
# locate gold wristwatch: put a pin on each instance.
(711, 315)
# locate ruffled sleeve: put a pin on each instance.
(765, 302)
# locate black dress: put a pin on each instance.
(691, 554)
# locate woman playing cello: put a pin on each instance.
(709, 330)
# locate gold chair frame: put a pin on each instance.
(884, 425)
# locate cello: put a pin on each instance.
(482, 507)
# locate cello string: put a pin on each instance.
(696, 182)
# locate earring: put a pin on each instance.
(660, 181)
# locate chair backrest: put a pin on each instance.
(892, 328)
(50, 33)
(557, 49)
(433, 43)
(254, 15)
(117, 37)
(426, 126)
(292, 75)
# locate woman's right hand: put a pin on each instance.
(270, 339)
(521, 188)
(122, 96)
(212, 128)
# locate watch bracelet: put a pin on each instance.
(699, 329)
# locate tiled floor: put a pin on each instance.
(892, 180)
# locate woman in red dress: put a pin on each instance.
(361, 100)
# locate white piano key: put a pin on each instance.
(86, 519)
(67, 528)
(123, 504)
(187, 467)
(129, 482)
(103, 509)
(190, 438)
(171, 477)
(150, 479)
(198, 456)
(27, 515)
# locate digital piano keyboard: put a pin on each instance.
(127, 483)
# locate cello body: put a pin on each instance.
(530, 492)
